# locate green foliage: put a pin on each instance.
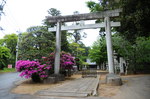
(77, 35)
(93, 6)
(1, 42)
(98, 52)
(7, 70)
(4, 56)
(122, 46)
(80, 52)
(64, 41)
(131, 43)
(64, 44)
(135, 19)
(10, 41)
(137, 55)
(52, 12)
(103, 5)
(35, 44)
(76, 49)
(143, 52)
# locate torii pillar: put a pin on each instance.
(57, 49)
(109, 45)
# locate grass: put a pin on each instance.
(8, 70)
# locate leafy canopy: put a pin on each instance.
(4, 56)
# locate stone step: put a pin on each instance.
(62, 94)
(78, 88)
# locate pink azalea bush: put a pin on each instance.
(66, 60)
(30, 68)
(34, 69)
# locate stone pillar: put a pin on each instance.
(58, 49)
(111, 78)
(121, 65)
(109, 45)
(116, 63)
(103, 66)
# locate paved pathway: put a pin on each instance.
(136, 88)
(81, 87)
(7, 81)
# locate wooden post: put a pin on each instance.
(58, 49)
(109, 45)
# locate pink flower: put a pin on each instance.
(43, 57)
(66, 60)
(28, 68)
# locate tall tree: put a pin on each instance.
(134, 31)
(142, 54)
(80, 52)
(98, 52)
(135, 19)
(36, 43)
(4, 57)
(103, 5)
(52, 12)
(78, 34)
(10, 41)
(76, 49)
(64, 42)
(136, 54)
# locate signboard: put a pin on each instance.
(9, 65)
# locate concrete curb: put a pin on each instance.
(95, 91)
(17, 83)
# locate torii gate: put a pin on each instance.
(89, 16)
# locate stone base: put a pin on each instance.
(122, 74)
(58, 77)
(113, 79)
(49, 80)
(54, 78)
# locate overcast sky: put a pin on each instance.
(21, 14)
